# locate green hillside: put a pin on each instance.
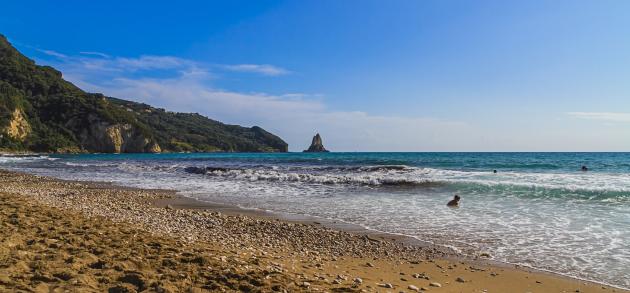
(41, 112)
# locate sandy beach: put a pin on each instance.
(60, 236)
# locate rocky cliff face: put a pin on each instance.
(18, 127)
(116, 138)
(317, 146)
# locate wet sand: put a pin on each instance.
(90, 237)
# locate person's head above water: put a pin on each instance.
(494, 171)
(454, 201)
(584, 168)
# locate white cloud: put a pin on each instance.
(149, 62)
(264, 69)
(99, 54)
(602, 116)
(53, 53)
(123, 64)
(189, 94)
(96, 63)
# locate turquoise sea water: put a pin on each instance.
(539, 209)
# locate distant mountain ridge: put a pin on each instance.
(42, 112)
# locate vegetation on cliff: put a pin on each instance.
(41, 112)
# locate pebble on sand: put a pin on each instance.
(386, 285)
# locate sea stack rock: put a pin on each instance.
(316, 146)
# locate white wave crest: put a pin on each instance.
(590, 182)
(25, 158)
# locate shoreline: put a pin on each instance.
(179, 201)
(302, 247)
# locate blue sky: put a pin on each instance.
(367, 75)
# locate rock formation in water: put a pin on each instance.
(316, 146)
(42, 112)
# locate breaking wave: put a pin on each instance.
(597, 186)
(24, 158)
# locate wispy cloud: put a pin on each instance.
(96, 66)
(53, 53)
(264, 69)
(148, 62)
(99, 54)
(602, 116)
(145, 62)
(98, 62)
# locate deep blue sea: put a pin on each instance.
(539, 209)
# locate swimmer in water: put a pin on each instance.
(494, 171)
(584, 168)
(454, 202)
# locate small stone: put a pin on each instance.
(435, 284)
(357, 281)
(420, 276)
(413, 288)
(484, 254)
(5, 280)
(460, 279)
(306, 284)
(369, 264)
(386, 285)
(169, 207)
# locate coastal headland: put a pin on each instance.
(93, 237)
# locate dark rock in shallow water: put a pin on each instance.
(195, 170)
(316, 146)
